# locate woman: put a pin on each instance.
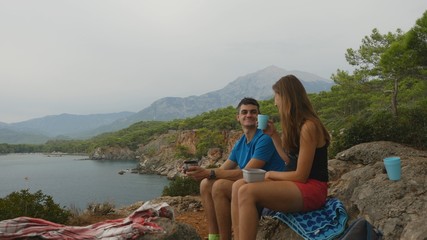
(304, 189)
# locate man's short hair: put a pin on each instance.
(247, 101)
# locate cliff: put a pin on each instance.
(357, 178)
(162, 155)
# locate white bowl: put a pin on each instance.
(253, 175)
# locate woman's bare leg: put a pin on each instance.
(275, 195)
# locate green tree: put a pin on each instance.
(36, 205)
(406, 58)
(366, 61)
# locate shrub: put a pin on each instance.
(150, 151)
(183, 152)
(207, 139)
(94, 213)
(359, 132)
(413, 127)
(408, 128)
(36, 205)
(181, 186)
(101, 209)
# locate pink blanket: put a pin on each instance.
(131, 227)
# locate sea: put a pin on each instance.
(74, 181)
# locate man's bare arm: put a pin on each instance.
(232, 172)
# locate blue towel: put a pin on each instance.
(325, 223)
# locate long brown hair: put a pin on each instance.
(295, 109)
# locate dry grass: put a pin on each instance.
(96, 212)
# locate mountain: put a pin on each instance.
(257, 85)
(17, 137)
(39, 130)
(65, 126)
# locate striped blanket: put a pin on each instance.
(131, 227)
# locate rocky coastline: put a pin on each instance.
(357, 178)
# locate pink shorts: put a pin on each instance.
(314, 193)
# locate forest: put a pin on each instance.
(384, 98)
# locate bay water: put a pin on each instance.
(75, 181)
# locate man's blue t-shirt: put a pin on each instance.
(260, 147)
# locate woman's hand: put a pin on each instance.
(267, 176)
(271, 129)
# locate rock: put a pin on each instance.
(214, 154)
(112, 153)
(270, 228)
(160, 155)
(416, 230)
(181, 204)
(172, 230)
(369, 153)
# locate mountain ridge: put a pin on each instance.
(63, 126)
(70, 126)
(256, 85)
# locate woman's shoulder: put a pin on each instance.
(314, 130)
(309, 125)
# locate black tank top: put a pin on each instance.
(319, 168)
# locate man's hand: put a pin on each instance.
(197, 173)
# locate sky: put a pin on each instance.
(103, 56)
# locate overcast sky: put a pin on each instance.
(102, 56)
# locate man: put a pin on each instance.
(253, 150)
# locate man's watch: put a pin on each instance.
(212, 175)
